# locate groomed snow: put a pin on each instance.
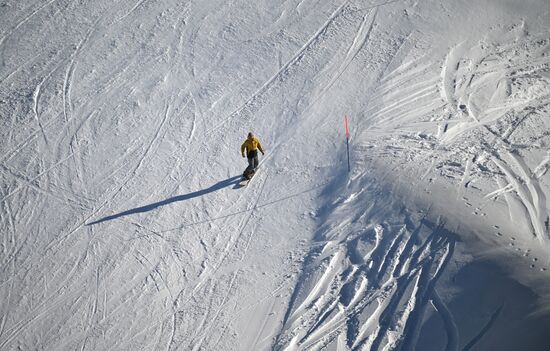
(122, 225)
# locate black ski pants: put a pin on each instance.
(252, 161)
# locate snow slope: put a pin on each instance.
(122, 226)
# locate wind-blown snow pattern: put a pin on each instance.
(124, 228)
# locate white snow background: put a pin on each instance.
(122, 227)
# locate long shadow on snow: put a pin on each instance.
(220, 185)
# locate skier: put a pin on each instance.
(251, 145)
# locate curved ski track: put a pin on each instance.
(120, 112)
(367, 290)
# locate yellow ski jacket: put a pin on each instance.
(251, 145)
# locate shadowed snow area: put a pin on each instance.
(123, 226)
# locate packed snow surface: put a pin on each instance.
(122, 224)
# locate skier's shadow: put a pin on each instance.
(220, 185)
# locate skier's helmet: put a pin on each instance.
(250, 135)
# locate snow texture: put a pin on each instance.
(123, 226)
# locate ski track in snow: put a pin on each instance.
(314, 328)
(306, 53)
(284, 70)
(481, 96)
(206, 279)
(364, 282)
(450, 325)
(10, 31)
(132, 131)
